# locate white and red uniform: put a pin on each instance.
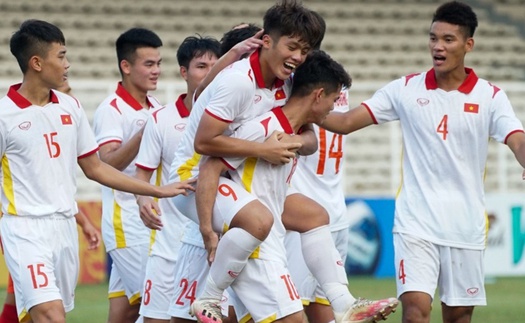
(117, 119)
(319, 177)
(445, 142)
(40, 147)
(276, 296)
(157, 149)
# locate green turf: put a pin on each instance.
(506, 302)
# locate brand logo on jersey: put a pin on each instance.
(25, 125)
(140, 123)
(472, 291)
(66, 119)
(257, 99)
(422, 102)
(180, 126)
(233, 274)
(340, 263)
(471, 108)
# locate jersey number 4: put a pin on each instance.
(335, 151)
(443, 127)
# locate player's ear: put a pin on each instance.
(35, 63)
(267, 40)
(125, 66)
(319, 94)
(184, 73)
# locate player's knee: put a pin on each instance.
(52, 312)
(415, 314)
(255, 218)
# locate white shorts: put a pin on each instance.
(41, 254)
(225, 207)
(190, 278)
(422, 266)
(158, 288)
(127, 272)
(266, 289)
(307, 285)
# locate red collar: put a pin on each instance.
(181, 107)
(22, 102)
(124, 95)
(466, 87)
(283, 120)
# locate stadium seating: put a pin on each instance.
(375, 40)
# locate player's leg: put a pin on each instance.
(417, 271)
(245, 222)
(158, 289)
(461, 283)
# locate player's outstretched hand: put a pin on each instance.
(149, 212)
(249, 45)
(276, 151)
(177, 188)
(211, 240)
(92, 235)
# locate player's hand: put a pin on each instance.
(149, 212)
(177, 188)
(279, 148)
(211, 240)
(92, 235)
(249, 45)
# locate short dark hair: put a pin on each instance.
(129, 41)
(237, 35)
(319, 70)
(34, 38)
(457, 13)
(290, 18)
(196, 46)
(322, 25)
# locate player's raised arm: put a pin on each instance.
(348, 122)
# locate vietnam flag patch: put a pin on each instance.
(471, 108)
(279, 94)
(66, 119)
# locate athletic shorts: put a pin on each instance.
(422, 266)
(41, 254)
(307, 285)
(266, 289)
(127, 272)
(158, 288)
(190, 278)
(225, 207)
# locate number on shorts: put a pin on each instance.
(38, 272)
(292, 292)
(188, 291)
(226, 190)
(402, 275)
(147, 289)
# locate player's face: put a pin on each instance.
(144, 71)
(285, 55)
(197, 70)
(54, 66)
(448, 46)
(324, 104)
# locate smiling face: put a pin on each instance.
(144, 70)
(448, 45)
(54, 66)
(284, 55)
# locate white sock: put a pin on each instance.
(324, 262)
(233, 250)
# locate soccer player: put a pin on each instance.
(301, 214)
(196, 56)
(118, 124)
(43, 135)
(317, 84)
(447, 115)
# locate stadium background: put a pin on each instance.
(377, 41)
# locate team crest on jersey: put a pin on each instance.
(422, 102)
(180, 126)
(25, 125)
(140, 122)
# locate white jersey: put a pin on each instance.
(118, 118)
(264, 180)
(445, 141)
(319, 175)
(40, 147)
(235, 96)
(161, 136)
